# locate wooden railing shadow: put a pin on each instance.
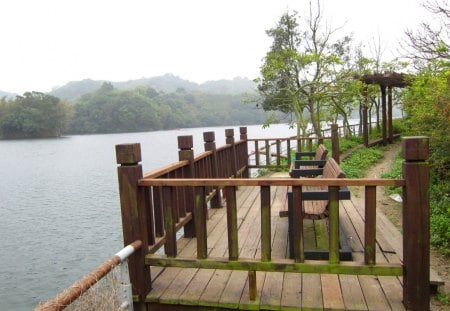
(158, 204)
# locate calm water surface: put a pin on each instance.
(59, 205)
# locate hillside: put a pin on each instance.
(6, 94)
(167, 83)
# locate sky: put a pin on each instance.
(47, 43)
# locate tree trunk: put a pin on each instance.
(312, 114)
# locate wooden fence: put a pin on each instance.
(158, 204)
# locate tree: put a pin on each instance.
(301, 67)
(33, 115)
(430, 42)
(279, 84)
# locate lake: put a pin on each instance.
(59, 205)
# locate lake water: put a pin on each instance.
(59, 205)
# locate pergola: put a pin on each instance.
(386, 81)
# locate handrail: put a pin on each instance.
(166, 169)
(64, 299)
(202, 155)
(222, 182)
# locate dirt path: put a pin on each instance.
(392, 210)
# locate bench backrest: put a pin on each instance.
(332, 170)
(319, 209)
(321, 152)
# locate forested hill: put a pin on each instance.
(111, 110)
(6, 94)
(167, 83)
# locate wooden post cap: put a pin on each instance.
(334, 127)
(209, 136)
(415, 148)
(243, 130)
(185, 142)
(128, 153)
(229, 132)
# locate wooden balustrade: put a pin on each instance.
(178, 198)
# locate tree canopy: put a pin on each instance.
(304, 65)
(33, 115)
(111, 110)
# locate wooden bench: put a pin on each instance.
(300, 164)
(315, 199)
(315, 209)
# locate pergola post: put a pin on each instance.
(389, 116)
(383, 114)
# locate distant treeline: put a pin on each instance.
(110, 110)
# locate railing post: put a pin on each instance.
(134, 217)
(185, 145)
(333, 224)
(243, 136)
(416, 224)
(229, 134)
(201, 213)
(266, 237)
(210, 145)
(335, 142)
(232, 226)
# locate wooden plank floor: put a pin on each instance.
(198, 289)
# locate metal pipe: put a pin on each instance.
(62, 300)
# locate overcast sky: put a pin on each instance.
(48, 43)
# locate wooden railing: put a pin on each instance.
(274, 153)
(177, 195)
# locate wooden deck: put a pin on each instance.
(197, 289)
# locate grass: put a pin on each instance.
(394, 173)
(443, 298)
(359, 161)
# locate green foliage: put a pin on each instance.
(443, 298)
(440, 215)
(110, 110)
(32, 115)
(394, 173)
(344, 144)
(427, 105)
(303, 67)
(360, 160)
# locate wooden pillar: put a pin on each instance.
(333, 224)
(201, 213)
(266, 249)
(210, 145)
(232, 224)
(416, 224)
(243, 136)
(389, 116)
(365, 117)
(297, 222)
(134, 217)
(229, 134)
(383, 113)
(185, 152)
(335, 142)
